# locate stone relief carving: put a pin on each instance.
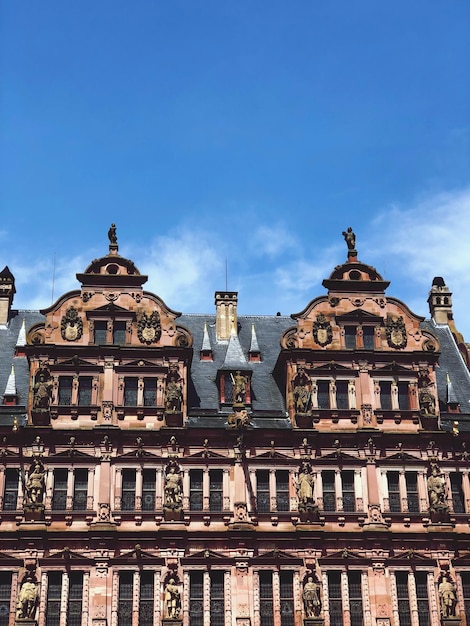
(395, 332)
(149, 329)
(71, 325)
(322, 331)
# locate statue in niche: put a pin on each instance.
(42, 391)
(173, 390)
(311, 598)
(173, 488)
(427, 404)
(350, 238)
(172, 600)
(112, 234)
(239, 387)
(437, 493)
(447, 597)
(35, 484)
(301, 384)
(305, 486)
(27, 598)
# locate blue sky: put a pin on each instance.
(252, 131)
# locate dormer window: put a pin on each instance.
(234, 387)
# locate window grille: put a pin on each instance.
(59, 497)
(128, 490)
(266, 598)
(355, 598)
(196, 599)
(394, 497)
(54, 592)
(215, 490)
(80, 489)
(148, 490)
(84, 390)
(287, 599)
(126, 585)
(282, 490)
(130, 392)
(74, 609)
(150, 392)
(217, 599)
(334, 598)
(10, 494)
(349, 496)
(262, 491)
(403, 598)
(65, 390)
(146, 599)
(421, 579)
(329, 493)
(5, 594)
(412, 491)
(195, 489)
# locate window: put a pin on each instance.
(128, 490)
(215, 490)
(54, 593)
(342, 399)
(385, 395)
(411, 479)
(334, 597)
(349, 497)
(146, 599)
(126, 584)
(195, 490)
(65, 390)
(282, 490)
(266, 607)
(148, 490)
(150, 392)
(196, 599)
(355, 598)
(465, 578)
(217, 599)
(403, 396)
(403, 598)
(59, 497)
(262, 491)
(329, 492)
(80, 489)
(323, 394)
(74, 609)
(287, 599)
(421, 580)
(458, 498)
(5, 594)
(130, 392)
(350, 337)
(368, 337)
(394, 497)
(84, 390)
(10, 495)
(101, 332)
(119, 333)
(347, 494)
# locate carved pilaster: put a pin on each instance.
(326, 600)
(256, 600)
(413, 600)
(276, 597)
(228, 598)
(366, 599)
(115, 599)
(86, 598)
(185, 599)
(394, 598)
(207, 598)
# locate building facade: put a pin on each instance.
(227, 470)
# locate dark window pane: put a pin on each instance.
(342, 401)
(148, 490)
(350, 337)
(215, 491)
(80, 489)
(335, 602)
(368, 337)
(458, 499)
(329, 494)
(130, 391)
(323, 394)
(119, 333)
(10, 496)
(195, 490)
(5, 593)
(65, 390)
(84, 390)
(262, 491)
(54, 592)
(101, 330)
(126, 580)
(282, 490)
(404, 612)
(128, 490)
(403, 396)
(422, 596)
(59, 496)
(287, 599)
(349, 497)
(412, 491)
(465, 576)
(74, 614)
(394, 492)
(196, 601)
(217, 599)
(266, 598)
(150, 392)
(146, 599)
(355, 598)
(386, 395)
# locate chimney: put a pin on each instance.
(225, 314)
(7, 291)
(440, 301)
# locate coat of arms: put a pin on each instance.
(71, 325)
(322, 331)
(149, 329)
(396, 332)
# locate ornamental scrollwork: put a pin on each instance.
(149, 329)
(322, 331)
(71, 325)
(395, 331)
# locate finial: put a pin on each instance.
(350, 239)
(112, 238)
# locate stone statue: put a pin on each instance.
(112, 234)
(35, 483)
(301, 383)
(42, 391)
(350, 238)
(239, 387)
(311, 598)
(173, 390)
(448, 597)
(27, 599)
(437, 495)
(305, 484)
(173, 489)
(172, 599)
(427, 403)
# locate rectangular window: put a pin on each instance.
(342, 399)
(323, 394)
(403, 598)
(368, 337)
(130, 392)
(101, 332)
(54, 592)
(403, 396)
(80, 489)
(350, 337)
(74, 610)
(349, 496)
(150, 392)
(84, 390)
(385, 395)
(458, 498)
(282, 490)
(10, 496)
(65, 390)
(266, 607)
(262, 491)
(146, 599)
(119, 333)
(394, 497)
(59, 496)
(421, 579)
(287, 598)
(412, 491)
(126, 584)
(335, 598)
(329, 492)
(228, 389)
(195, 490)
(217, 599)
(215, 490)
(5, 594)
(196, 599)
(465, 577)
(355, 598)
(148, 490)
(128, 490)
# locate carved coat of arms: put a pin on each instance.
(149, 328)
(396, 332)
(322, 331)
(71, 325)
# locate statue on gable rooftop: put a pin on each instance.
(350, 238)
(112, 234)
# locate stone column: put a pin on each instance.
(326, 601)
(345, 599)
(207, 598)
(413, 600)
(394, 598)
(86, 598)
(205, 489)
(228, 598)
(157, 596)
(138, 488)
(91, 489)
(338, 490)
(272, 490)
(64, 596)
(466, 489)
(276, 598)
(135, 598)
(70, 482)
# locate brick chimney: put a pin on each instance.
(225, 314)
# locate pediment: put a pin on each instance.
(332, 366)
(339, 455)
(138, 453)
(394, 367)
(359, 315)
(205, 557)
(109, 309)
(277, 556)
(402, 456)
(76, 362)
(344, 556)
(411, 555)
(142, 363)
(70, 454)
(272, 454)
(10, 560)
(138, 555)
(206, 454)
(67, 556)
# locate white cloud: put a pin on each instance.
(271, 240)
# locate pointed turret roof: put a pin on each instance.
(10, 389)
(21, 341)
(206, 342)
(254, 347)
(234, 357)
